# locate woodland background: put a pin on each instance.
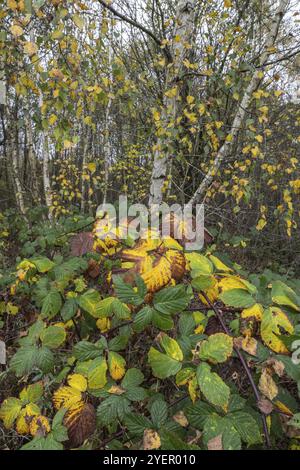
(89, 97)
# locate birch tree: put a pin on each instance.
(182, 33)
(272, 29)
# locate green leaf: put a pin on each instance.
(43, 443)
(136, 394)
(32, 393)
(284, 295)
(162, 365)
(51, 304)
(171, 347)
(121, 310)
(69, 309)
(9, 411)
(27, 358)
(212, 386)
(90, 301)
(159, 413)
(171, 300)
(127, 294)
(53, 336)
(132, 378)
(198, 413)
(239, 298)
(112, 408)
(137, 423)
(84, 350)
(215, 426)
(97, 373)
(42, 264)
(199, 264)
(217, 348)
(246, 426)
(143, 318)
(162, 321)
(202, 282)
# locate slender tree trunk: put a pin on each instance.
(46, 176)
(182, 33)
(32, 159)
(14, 150)
(107, 125)
(222, 154)
(84, 163)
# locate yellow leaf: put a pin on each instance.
(39, 426)
(227, 3)
(103, 324)
(261, 224)
(233, 282)
(219, 265)
(92, 167)
(193, 389)
(66, 397)
(275, 323)
(190, 99)
(78, 382)
(255, 311)
(30, 48)
(267, 386)
(16, 30)
(249, 345)
(151, 440)
(116, 390)
(24, 418)
(52, 119)
(116, 365)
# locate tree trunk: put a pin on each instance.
(182, 33)
(222, 154)
(107, 125)
(84, 163)
(46, 176)
(14, 150)
(32, 159)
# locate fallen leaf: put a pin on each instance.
(215, 443)
(181, 419)
(265, 406)
(151, 440)
(267, 386)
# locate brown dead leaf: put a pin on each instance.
(116, 390)
(151, 440)
(215, 443)
(80, 425)
(275, 366)
(181, 419)
(82, 243)
(265, 406)
(249, 345)
(267, 386)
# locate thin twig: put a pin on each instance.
(244, 364)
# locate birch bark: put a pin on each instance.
(183, 30)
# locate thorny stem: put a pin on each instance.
(244, 364)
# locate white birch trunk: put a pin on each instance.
(272, 32)
(107, 125)
(182, 33)
(46, 176)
